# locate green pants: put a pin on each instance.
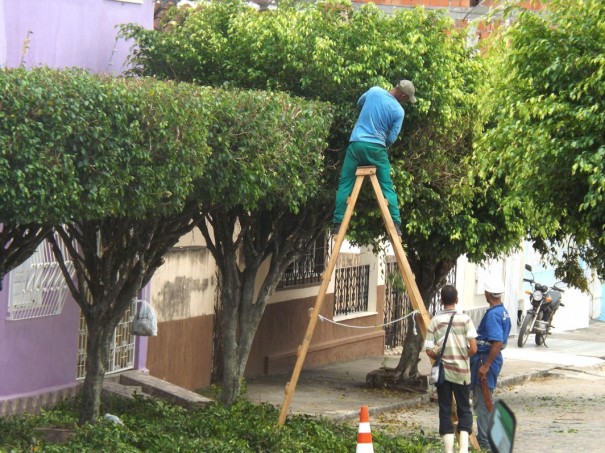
(358, 154)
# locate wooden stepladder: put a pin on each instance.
(404, 267)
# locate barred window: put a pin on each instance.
(37, 287)
(352, 287)
(309, 268)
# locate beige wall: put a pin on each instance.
(471, 277)
(185, 286)
(183, 293)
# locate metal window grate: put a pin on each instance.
(309, 268)
(351, 290)
(37, 287)
(121, 353)
(397, 303)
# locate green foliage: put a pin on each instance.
(324, 51)
(151, 425)
(548, 123)
(329, 51)
(259, 140)
(74, 145)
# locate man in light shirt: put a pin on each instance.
(459, 346)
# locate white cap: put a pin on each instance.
(494, 286)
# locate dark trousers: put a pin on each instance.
(447, 392)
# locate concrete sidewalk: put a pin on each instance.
(337, 391)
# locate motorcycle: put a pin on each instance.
(538, 320)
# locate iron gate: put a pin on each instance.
(397, 304)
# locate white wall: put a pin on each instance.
(578, 307)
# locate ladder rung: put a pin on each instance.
(364, 171)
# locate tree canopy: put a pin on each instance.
(77, 146)
(328, 51)
(546, 140)
(331, 52)
(100, 156)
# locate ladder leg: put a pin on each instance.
(402, 261)
(302, 350)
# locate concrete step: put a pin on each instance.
(163, 389)
(113, 387)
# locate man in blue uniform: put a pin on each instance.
(377, 127)
(492, 336)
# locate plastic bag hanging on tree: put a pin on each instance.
(146, 322)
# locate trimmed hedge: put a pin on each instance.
(81, 146)
(270, 146)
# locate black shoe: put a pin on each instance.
(398, 229)
(335, 228)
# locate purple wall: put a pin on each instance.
(37, 354)
(68, 33)
(40, 354)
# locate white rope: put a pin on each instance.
(323, 318)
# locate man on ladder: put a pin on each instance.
(377, 127)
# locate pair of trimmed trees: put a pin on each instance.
(120, 169)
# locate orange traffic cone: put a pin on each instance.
(364, 435)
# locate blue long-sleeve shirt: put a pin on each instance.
(380, 118)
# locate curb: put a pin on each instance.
(426, 398)
(521, 378)
(377, 410)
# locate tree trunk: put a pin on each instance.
(113, 259)
(240, 243)
(407, 368)
(97, 351)
(241, 316)
(429, 278)
(230, 299)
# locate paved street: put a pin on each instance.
(562, 412)
(557, 393)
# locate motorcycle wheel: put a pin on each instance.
(539, 339)
(524, 332)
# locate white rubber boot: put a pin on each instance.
(448, 442)
(463, 440)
